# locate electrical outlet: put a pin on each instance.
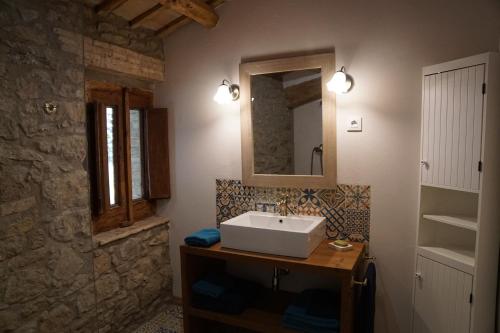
(355, 124)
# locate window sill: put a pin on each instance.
(120, 233)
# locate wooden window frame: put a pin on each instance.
(126, 211)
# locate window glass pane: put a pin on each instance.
(136, 153)
(111, 150)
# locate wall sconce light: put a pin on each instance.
(340, 83)
(227, 92)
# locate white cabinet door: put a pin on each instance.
(441, 299)
(452, 116)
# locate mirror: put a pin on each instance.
(288, 122)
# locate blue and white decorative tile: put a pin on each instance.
(357, 197)
(357, 224)
(335, 222)
(346, 207)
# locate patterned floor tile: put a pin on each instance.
(169, 321)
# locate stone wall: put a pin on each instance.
(133, 279)
(116, 30)
(47, 254)
(272, 127)
(46, 243)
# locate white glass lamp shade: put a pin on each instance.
(339, 83)
(223, 94)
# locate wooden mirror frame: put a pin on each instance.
(326, 62)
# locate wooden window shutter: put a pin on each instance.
(157, 153)
(94, 157)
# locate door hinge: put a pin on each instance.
(470, 298)
(480, 166)
(484, 88)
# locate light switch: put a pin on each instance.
(355, 124)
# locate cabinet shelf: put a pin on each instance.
(469, 223)
(267, 310)
(458, 258)
(265, 316)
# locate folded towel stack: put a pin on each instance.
(203, 238)
(221, 292)
(314, 311)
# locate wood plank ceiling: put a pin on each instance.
(162, 16)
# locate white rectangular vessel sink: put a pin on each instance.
(293, 236)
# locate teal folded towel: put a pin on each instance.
(308, 328)
(206, 288)
(314, 311)
(203, 238)
(214, 284)
(238, 294)
(299, 315)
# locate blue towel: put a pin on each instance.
(235, 298)
(365, 306)
(299, 315)
(230, 303)
(203, 238)
(206, 288)
(314, 311)
(308, 328)
(214, 284)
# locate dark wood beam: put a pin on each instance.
(303, 93)
(173, 25)
(107, 6)
(197, 10)
(136, 21)
(183, 20)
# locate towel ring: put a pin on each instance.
(363, 283)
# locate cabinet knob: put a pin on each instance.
(424, 163)
(418, 276)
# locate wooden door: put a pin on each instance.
(441, 299)
(452, 116)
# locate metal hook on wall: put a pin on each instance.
(49, 108)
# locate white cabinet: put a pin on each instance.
(441, 298)
(452, 115)
(458, 233)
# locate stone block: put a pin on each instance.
(106, 286)
(86, 299)
(26, 284)
(57, 319)
(102, 263)
(17, 206)
(65, 264)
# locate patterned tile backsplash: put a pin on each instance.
(346, 208)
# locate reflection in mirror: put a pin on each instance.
(287, 122)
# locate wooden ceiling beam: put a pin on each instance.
(136, 21)
(173, 26)
(303, 93)
(183, 20)
(107, 6)
(197, 10)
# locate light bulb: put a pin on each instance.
(339, 83)
(223, 94)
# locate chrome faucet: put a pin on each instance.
(282, 206)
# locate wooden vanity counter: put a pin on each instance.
(196, 261)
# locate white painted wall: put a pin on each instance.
(307, 134)
(383, 45)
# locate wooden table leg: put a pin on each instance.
(346, 305)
